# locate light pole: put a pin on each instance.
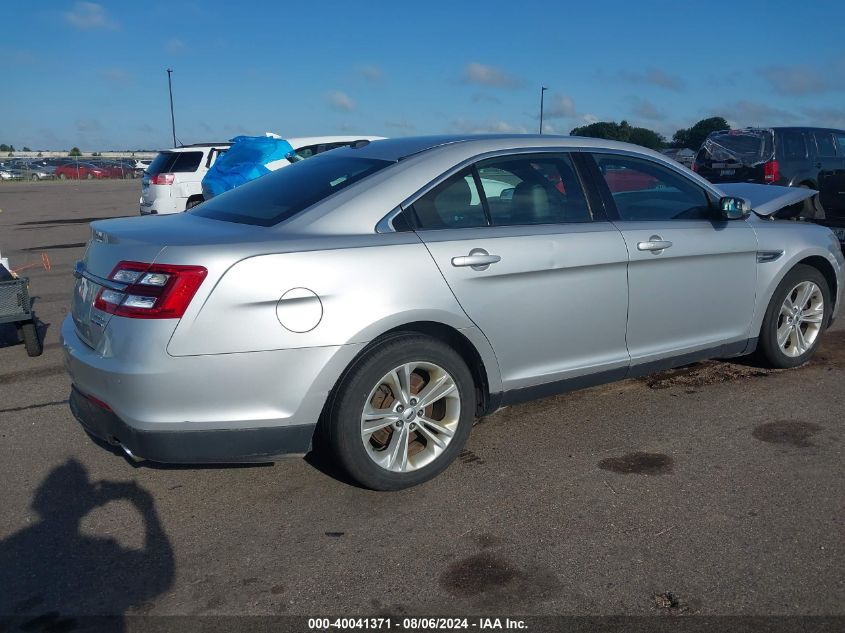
(542, 94)
(172, 120)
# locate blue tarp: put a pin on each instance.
(245, 160)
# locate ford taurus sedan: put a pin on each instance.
(373, 301)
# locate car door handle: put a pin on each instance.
(478, 259)
(654, 244)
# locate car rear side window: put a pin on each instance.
(793, 145)
(537, 189)
(282, 194)
(453, 204)
(840, 144)
(824, 143)
(645, 190)
(175, 162)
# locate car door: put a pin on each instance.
(539, 274)
(831, 151)
(691, 276)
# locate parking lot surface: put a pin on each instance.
(716, 489)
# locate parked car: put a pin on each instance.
(32, 169)
(387, 293)
(80, 171)
(115, 168)
(251, 157)
(792, 156)
(9, 173)
(173, 181)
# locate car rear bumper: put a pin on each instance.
(214, 408)
(161, 205)
(190, 447)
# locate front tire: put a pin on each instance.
(401, 413)
(796, 318)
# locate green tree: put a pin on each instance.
(40, 154)
(621, 132)
(26, 149)
(4, 147)
(74, 152)
(694, 136)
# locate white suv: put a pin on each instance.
(173, 181)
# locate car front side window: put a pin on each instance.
(645, 190)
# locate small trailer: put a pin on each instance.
(16, 307)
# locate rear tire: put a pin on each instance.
(419, 433)
(90, 176)
(31, 340)
(796, 318)
(62, 177)
(193, 203)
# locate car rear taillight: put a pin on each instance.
(153, 291)
(162, 179)
(771, 171)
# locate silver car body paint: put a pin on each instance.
(565, 301)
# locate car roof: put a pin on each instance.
(197, 146)
(395, 149)
(302, 141)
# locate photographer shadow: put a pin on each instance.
(54, 578)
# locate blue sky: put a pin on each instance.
(93, 74)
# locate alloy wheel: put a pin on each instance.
(800, 319)
(410, 416)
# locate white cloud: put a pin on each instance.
(654, 77)
(370, 72)
(341, 101)
(464, 126)
(559, 106)
(114, 75)
(86, 126)
(89, 15)
(401, 125)
(645, 109)
(483, 75)
(175, 45)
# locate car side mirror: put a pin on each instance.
(732, 208)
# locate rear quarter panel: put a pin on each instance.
(384, 282)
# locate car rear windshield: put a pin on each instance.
(744, 146)
(175, 162)
(281, 194)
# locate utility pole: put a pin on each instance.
(542, 93)
(172, 120)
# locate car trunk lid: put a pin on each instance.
(179, 239)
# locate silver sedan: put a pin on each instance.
(372, 302)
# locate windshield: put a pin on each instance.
(283, 193)
(744, 146)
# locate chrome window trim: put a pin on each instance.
(80, 271)
(384, 226)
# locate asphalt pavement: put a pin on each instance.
(716, 489)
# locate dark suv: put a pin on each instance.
(790, 156)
